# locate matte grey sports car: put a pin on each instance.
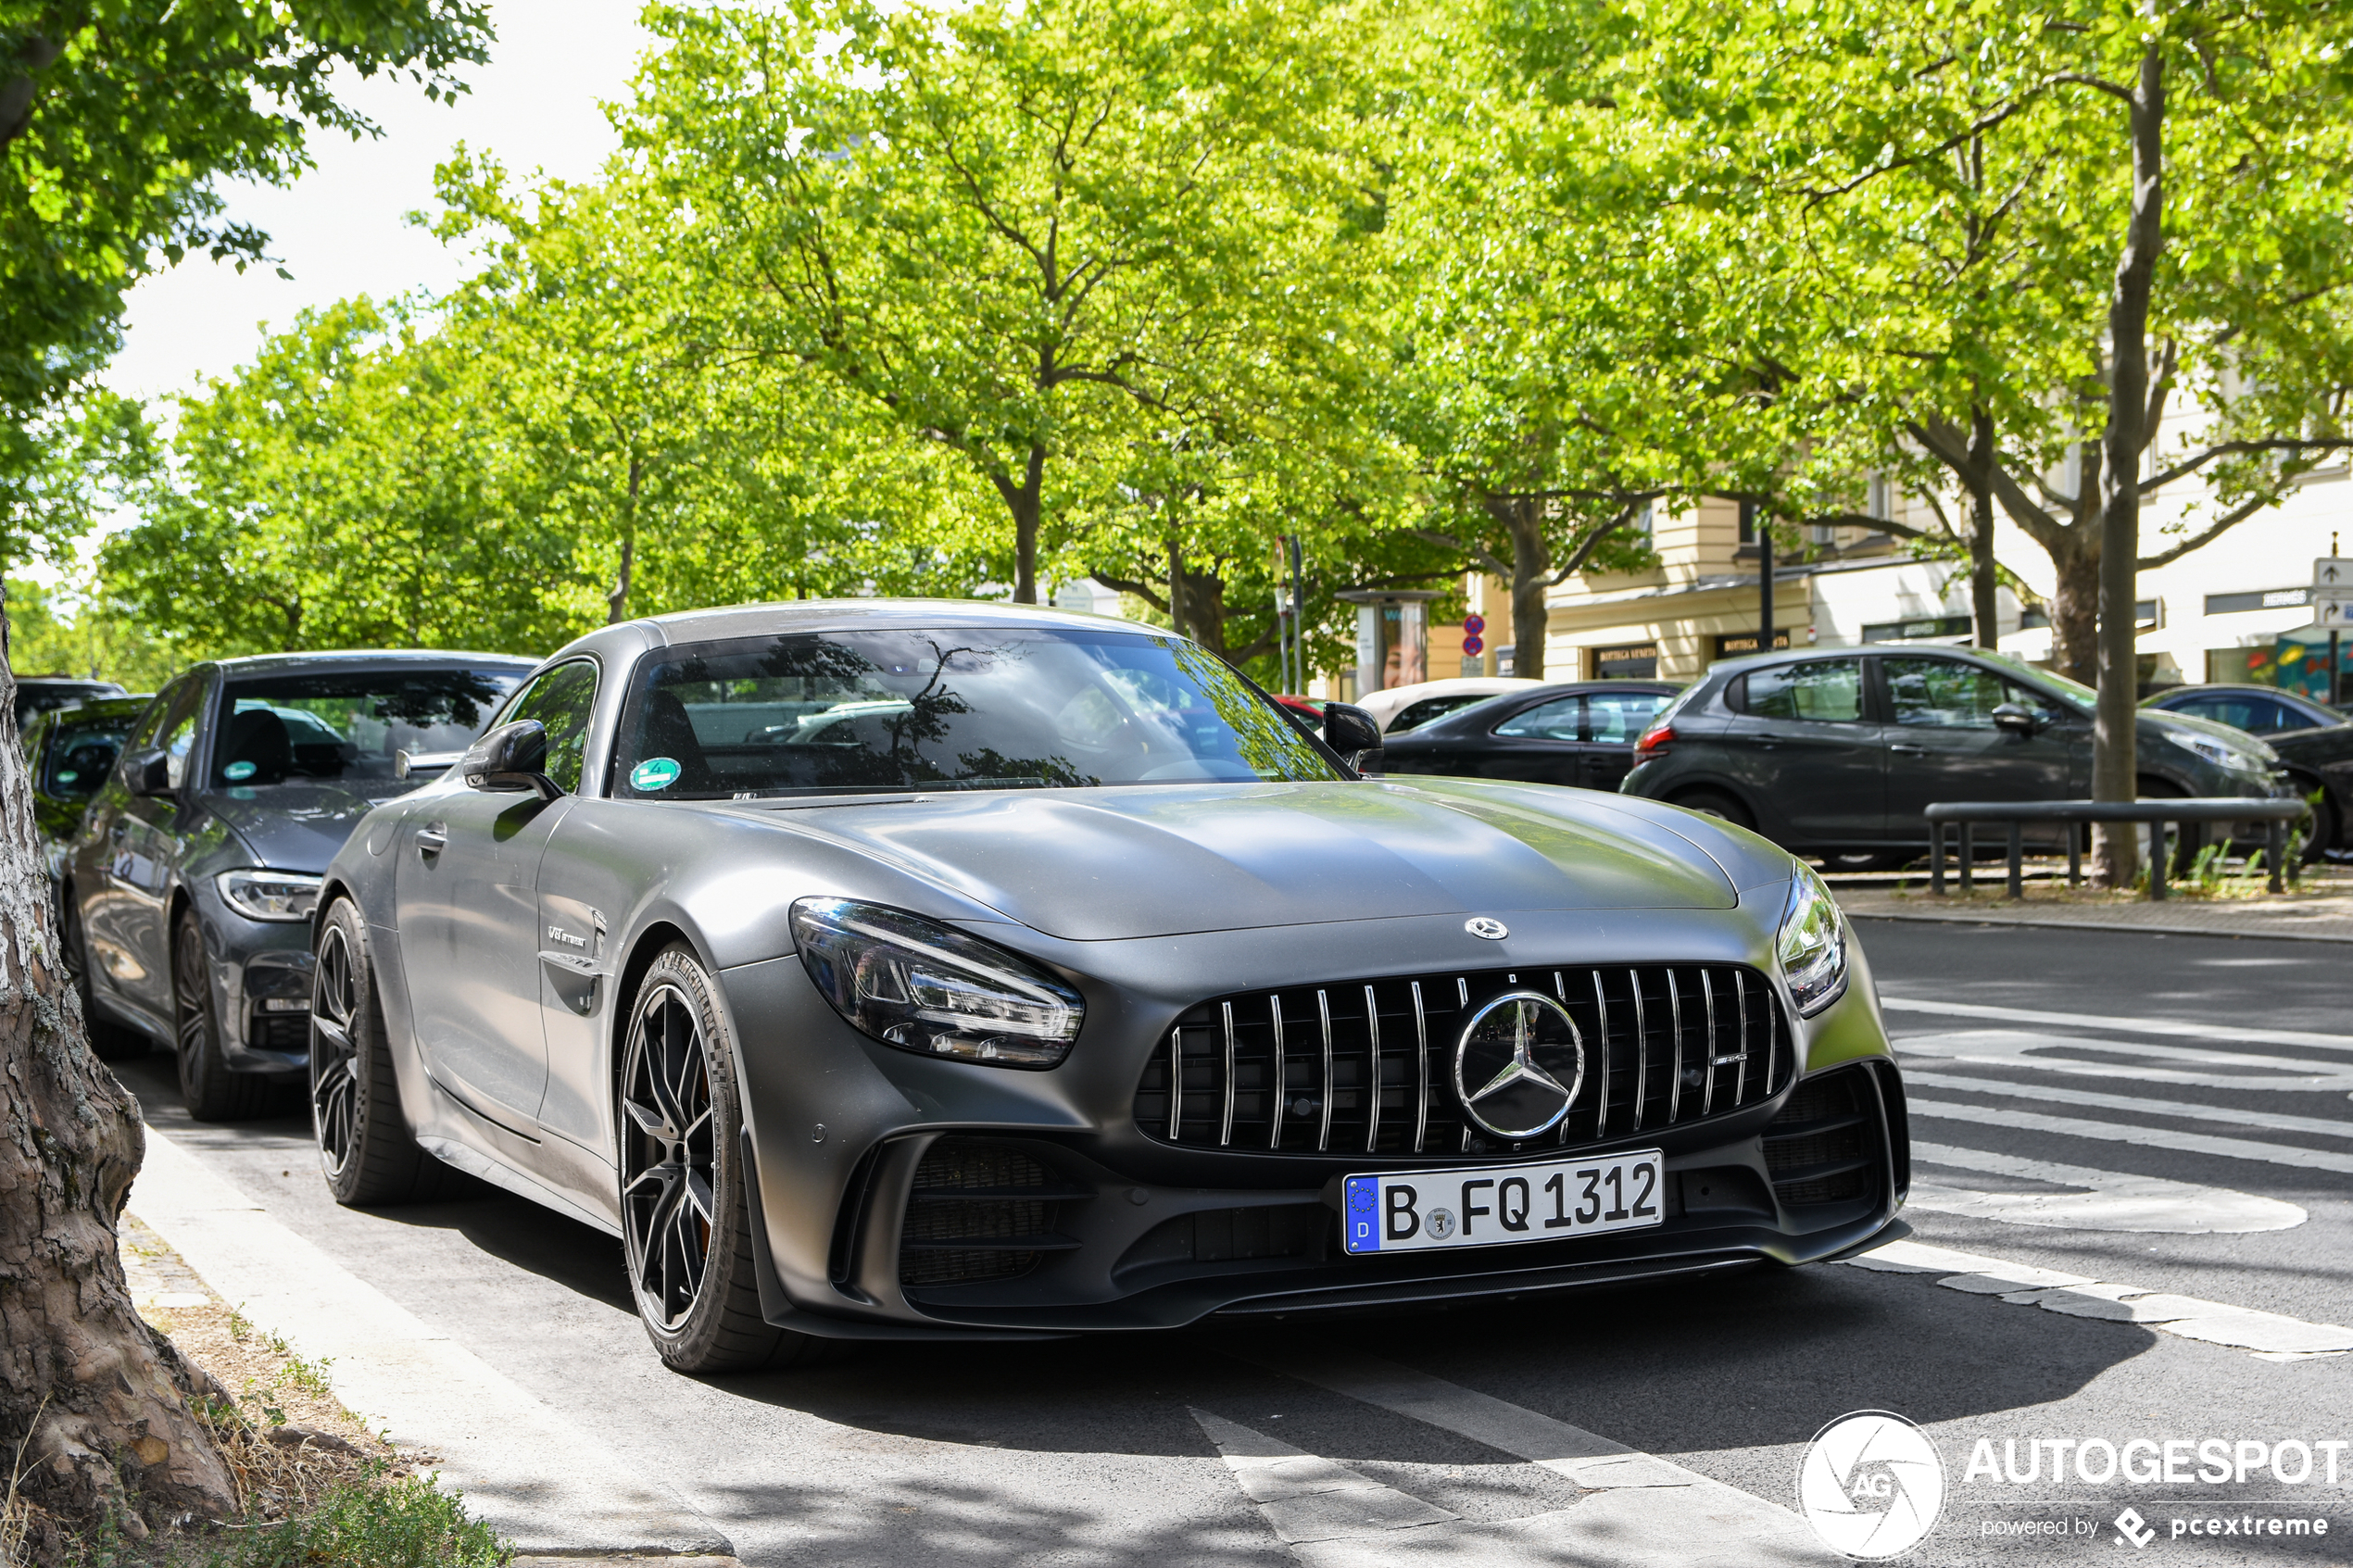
(922, 969)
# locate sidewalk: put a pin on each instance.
(2321, 910)
(551, 1490)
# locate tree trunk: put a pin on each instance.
(2075, 611)
(1984, 607)
(99, 1400)
(1024, 500)
(2114, 766)
(1523, 518)
(617, 602)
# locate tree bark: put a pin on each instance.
(617, 602)
(1984, 607)
(99, 1401)
(2075, 611)
(1523, 520)
(1024, 500)
(2114, 768)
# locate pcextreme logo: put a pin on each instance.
(1871, 1485)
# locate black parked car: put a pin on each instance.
(2315, 744)
(188, 890)
(1580, 735)
(1839, 753)
(39, 694)
(69, 752)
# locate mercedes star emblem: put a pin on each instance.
(1487, 926)
(1511, 1063)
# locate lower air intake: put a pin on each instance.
(979, 1211)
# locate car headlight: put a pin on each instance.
(920, 986)
(270, 895)
(1812, 945)
(2226, 757)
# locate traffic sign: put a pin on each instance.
(1473, 647)
(2334, 614)
(2333, 571)
(1474, 625)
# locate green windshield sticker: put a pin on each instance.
(67, 777)
(654, 772)
(238, 771)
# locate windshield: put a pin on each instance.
(2053, 683)
(956, 709)
(303, 729)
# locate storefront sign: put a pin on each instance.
(1634, 661)
(1731, 645)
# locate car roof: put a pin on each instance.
(341, 659)
(843, 615)
(2200, 688)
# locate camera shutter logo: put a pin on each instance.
(1871, 1485)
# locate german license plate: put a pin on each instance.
(1495, 1205)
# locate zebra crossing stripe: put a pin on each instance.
(2204, 1030)
(2148, 1138)
(2269, 1121)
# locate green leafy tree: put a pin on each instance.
(1028, 235)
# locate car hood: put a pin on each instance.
(297, 827)
(1115, 864)
(2255, 748)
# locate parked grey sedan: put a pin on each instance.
(885, 969)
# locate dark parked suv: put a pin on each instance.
(1838, 753)
(189, 886)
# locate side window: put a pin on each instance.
(1557, 719)
(170, 724)
(1419, 713)
(1823, 691)
(1617, 717)
(1944, 693)
(563, 700)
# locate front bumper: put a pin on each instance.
(900, 1196)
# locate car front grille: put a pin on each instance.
(1367, 1067)
(979, 1211)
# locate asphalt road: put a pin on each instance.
(2119, 1058)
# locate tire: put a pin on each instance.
(211, 1092)
(1712, 803)
(685, 1225)
(109, 1042)
(1868, 860)
(366, 1150)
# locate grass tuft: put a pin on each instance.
(401, 1524)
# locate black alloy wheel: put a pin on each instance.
(211, 1092)
(685, 1225)
(109, 1042)
(366, 1150)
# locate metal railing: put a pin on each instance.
(2275, 814)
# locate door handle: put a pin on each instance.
(1904, 749)
(433, 838)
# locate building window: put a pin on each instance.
(1931, 626)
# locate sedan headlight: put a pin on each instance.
(2220, 755)
(1812, 945)
(270, 895)
(920, 986)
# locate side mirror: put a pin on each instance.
(2016, 718)
(1356, 734)
(511, 757)
(150, 773)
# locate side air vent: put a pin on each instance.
(979, 1211)
(1824, 1145)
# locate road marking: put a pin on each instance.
(2151, 1137)
(1306, 1498)
(2108, 1200)
(2271, 1121)
(2125, 1024)
(534, 1477)
(2270, 1336)
(1646, 1512)
(2010, 1048)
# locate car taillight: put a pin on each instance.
(1655, 741)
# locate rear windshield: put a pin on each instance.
(82, 753)
(303, 729)
(955, 709)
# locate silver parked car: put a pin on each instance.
(889, 968)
